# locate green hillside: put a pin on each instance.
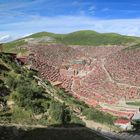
(19, 92)
(13, 46)
(85, 37)
(88, 37)
(22, 100)
(94, 38)
(134, 46)
(42, 34)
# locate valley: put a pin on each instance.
(90, 73)
(71, 82)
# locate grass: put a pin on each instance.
(90, 112)
(134, 46)
(94, 38)
(30, 100)
(88, 37)
(14, 47)
(133, 103)
(84, 37)
(19, 115)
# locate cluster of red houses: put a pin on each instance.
(127, 124)
(80, 71)
(124, 66)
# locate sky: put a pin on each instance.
(20, 18)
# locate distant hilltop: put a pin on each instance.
(85, 37)
(82, 38)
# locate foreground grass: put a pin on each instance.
(24, 102)
(90, 112)
(133, 103)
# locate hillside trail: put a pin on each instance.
(89, 123)
(112, 80)
(100, 129)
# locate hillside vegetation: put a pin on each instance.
(13, 46)
(136, 46)
(85, 37)
(88, 37)
(96, 39)
(23, 101)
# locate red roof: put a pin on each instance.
(22, 59)
(121, 121)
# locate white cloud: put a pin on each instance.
(12, 5)
(66, 24)
(5, 38)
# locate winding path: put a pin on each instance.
(99, 129)
(111, 79)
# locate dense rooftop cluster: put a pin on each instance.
(93, 74)
(124, 67)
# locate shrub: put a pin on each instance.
(98, 116)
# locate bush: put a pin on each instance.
(77, 121)
(66, 115)
(11, 82)
(56, 112)
(98, 116)
(20, 115)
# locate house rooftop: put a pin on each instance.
(56, 83)
(121, 121)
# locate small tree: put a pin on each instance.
(66, 115)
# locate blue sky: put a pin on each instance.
(22, 17)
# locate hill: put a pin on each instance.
(96, 75)
(96, 39)
(88, 37)
(136, 46)
(85, 37)
(23, 101)
(94, 81)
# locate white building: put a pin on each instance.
(136, 116)
(123, 124)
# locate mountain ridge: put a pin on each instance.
(83, 37)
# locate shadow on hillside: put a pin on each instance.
(53, 132)
(136, 131)
(3, 68)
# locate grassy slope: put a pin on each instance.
(134, 46)
(94, 38)
(18, 85)
(17, 80)
(13, 46)
(22, 115)
(133, 103)
(85, 37)
(88, 37)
